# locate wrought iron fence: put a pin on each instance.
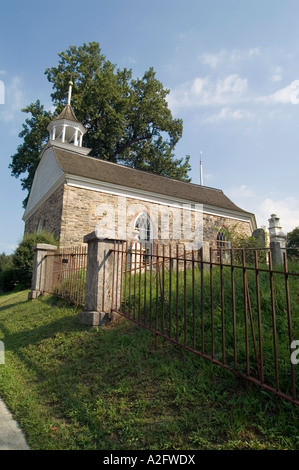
(66, 273)
(234, 309)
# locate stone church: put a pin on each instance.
(74, 194)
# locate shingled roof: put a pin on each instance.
(67, 113)
(93, 168)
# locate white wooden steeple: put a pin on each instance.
(65, 130)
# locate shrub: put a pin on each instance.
(241, 240)
(18, 273)
(7, 279)
(293, 244)
(7, 273)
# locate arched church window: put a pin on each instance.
(223, 245)
(143, 224)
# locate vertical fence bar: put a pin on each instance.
(245, 313)
(117, 274)
(64, 256)
(193, 302)
(84, 274)
(259, 317)
(145, 283)
(252, 328)
(222, 309)
(177, 292)
(157, 292)
(135, 280)
(75, 274)
(151, 283)
(71, 272)
(202, 301)
(139, 282)
(185, 297)
(77, 285)
(126, 275)
(130, 275)
(290, 332)
(170, 290)
(234, 309)
(79, 276)
(121, 279)
(113, 277)
(212, 305)
(273, 321)
(66, 282)
(163, 289)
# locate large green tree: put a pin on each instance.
(128, 120)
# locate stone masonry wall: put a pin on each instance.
(48, 215)
(84, 210)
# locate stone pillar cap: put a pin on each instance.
(44, 246)
(93, 236)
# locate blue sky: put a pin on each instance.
(232, 67)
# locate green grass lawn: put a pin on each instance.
(74, 387)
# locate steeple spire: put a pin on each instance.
(70, 92)
(65, 129)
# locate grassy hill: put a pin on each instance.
(73, 387)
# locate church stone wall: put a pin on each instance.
(48, 216)
(84, 210)
(71, 213)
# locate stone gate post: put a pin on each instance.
(99, 281)
(277, 239)
(41, 269)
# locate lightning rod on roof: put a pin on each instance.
(70, 92)
(201, 177)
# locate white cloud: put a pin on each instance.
(205, 92)
(223, 57)
(276, 77)
(213, 60)
(129, 60)
(287, 209)
(286, 95)
(2, 92)
(277, 74)
(255, 51)
(228, 114)
(14, 100)
(250, 199)
(240, 192)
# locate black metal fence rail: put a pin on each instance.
(234, 309)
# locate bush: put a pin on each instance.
(18, 273)
(241, 240)
(7, 274)
(7, 279)
(293, 244)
